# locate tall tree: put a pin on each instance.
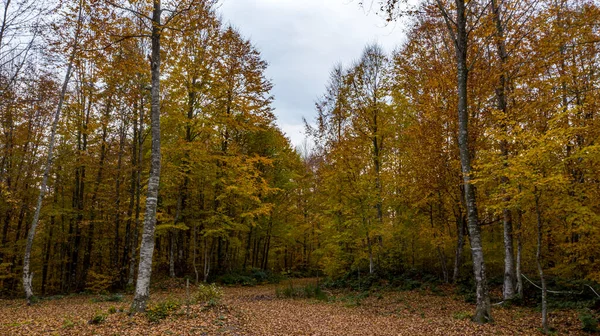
(142, 285)
(27, 274)
(461, 18)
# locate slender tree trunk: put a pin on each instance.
(142, 288)
(135, 234)
(538, 259)
(132, 189)
(90, 237)
(370, 249)
(460, 243)
(49, 242)
(118, 180)
(508, 290)
(440, 251)
(519, 251)
(27, 274)
(268, 245)
(172, 254)
(483, 310)
(207, 253)
(194, 249)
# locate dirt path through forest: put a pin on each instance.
(258, 311)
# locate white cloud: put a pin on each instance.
(302, 40)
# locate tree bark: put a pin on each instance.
(483, 310)
(27, 274)
(519, 250)
(460, 244)
(135, 234)
(538, 259)
(142, 288)
(508, 290)
(90, 237)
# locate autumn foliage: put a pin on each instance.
(382, 190)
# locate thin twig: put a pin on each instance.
(561, 292)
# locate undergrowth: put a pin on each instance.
(162, 310)
(309, 291)
(251, 278)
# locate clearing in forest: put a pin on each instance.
(261, 311)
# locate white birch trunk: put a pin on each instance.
(142, 287)
(27, 274)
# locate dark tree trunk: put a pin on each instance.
(90, 236)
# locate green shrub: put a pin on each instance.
(208, 293)
(589, 322)
(462, 315)
(112, 310)
(98, 318)
(162, 310)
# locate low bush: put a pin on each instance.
(211, 294)
(589, 322)
(162, 310)
(98, 318)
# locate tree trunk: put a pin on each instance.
(27, 274)
(460, 243)
(132, 189)
(207, 254)
(171, 254)
(49, 242)
(90, 242)
(508, 290)
(142, 288)
(538, 259)
(194, 249)
(117, 243)
(483, 310)
(135, 234)
(519, 249)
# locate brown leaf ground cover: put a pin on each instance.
(258, 311)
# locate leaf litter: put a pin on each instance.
(258, 311)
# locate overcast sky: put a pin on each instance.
(302, 40)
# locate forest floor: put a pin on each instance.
(258, 311)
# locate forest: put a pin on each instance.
(139, 146)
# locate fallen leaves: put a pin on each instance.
(257, 311)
